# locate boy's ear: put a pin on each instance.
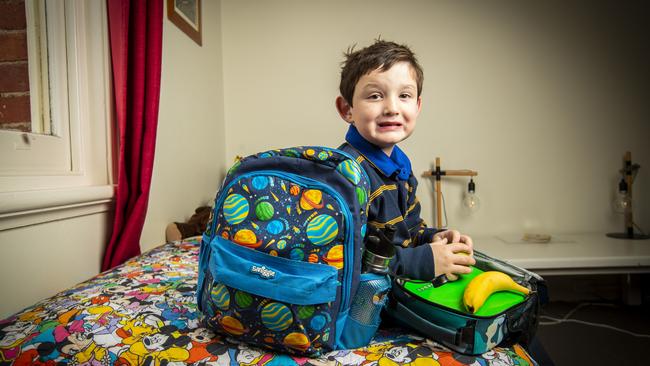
(344, 109)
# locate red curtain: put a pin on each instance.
(135, 29)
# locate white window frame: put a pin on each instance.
(38, 63)
(68, 172)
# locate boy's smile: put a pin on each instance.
(385, 106)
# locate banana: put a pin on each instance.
(484, 285)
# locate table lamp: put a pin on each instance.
(623, 201)
(471, 201)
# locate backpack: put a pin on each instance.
(280, 259)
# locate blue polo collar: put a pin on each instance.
(398, 164)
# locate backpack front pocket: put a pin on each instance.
(268, 300)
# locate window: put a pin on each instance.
(65, 157)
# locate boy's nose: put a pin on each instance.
(390, 107)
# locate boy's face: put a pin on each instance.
(386, 106)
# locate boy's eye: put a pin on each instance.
(405, 95)
(374, 96)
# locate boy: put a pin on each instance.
(380, 99)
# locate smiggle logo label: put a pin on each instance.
(263, 272)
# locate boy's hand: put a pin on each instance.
(451, 258)
(454, 236)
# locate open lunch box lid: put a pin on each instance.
(450, 295)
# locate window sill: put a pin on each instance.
(23, 208)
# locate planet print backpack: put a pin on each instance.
(280, 260)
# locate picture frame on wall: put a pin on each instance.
(186, 15)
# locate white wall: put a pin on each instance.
(38, 261)
(190, 152)
(541, 98)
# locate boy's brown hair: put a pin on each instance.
(380, 55)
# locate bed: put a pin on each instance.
(144, 313)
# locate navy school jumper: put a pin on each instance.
(393, 201)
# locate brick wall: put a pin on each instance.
(14, 75)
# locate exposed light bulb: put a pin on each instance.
(622, 201)
(471, 202)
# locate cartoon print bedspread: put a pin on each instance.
(144, 313)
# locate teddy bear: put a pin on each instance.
(194, 226)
